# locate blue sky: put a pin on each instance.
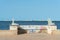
(29, 9)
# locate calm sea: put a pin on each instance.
(4, 25)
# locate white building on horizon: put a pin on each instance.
(34, 27)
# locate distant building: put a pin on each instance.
(34, 27)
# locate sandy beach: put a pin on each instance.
(32, 36)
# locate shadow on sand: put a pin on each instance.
(21, 31)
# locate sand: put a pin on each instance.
(32, 36)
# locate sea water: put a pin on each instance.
(4, 25)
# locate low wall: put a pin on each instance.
(8, 32)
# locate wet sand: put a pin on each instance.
(32, 36)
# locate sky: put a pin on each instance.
(30, 9)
